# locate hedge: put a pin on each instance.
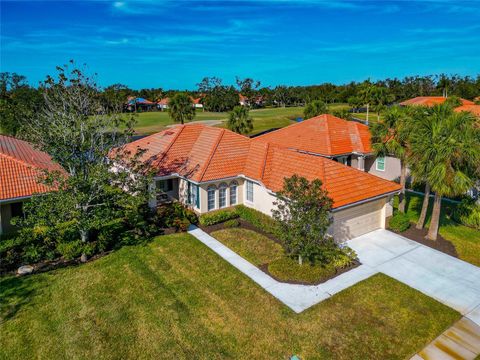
(218, 216)
(257, 218)
(399, 222)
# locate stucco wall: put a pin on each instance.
(204, 194)
(262, 199)
(392, 168)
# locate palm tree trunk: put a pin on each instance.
(433, 229)
(423, 213)
(403, 176)
(368, 106)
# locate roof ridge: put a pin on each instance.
(171, 143)
(222, 132)
(329, 141)
(265, 161)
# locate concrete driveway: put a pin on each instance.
(449, 280)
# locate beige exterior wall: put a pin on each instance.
(392, 168)
(216, 184)
(262, 199)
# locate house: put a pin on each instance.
(210, 168)
(162, 104)
(197, 103)
(474, 109)
(347, 142)
(431, 101)
(20, 166)
(135, 104)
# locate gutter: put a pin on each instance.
(11, 200)
(365, 200)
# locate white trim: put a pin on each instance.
(364, 201)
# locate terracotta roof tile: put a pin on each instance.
(474, 109)
(325, 135)
(431, 101)
(20, 166)
(203, 153)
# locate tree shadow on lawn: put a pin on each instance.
(17, 292)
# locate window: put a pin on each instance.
(165, 185)
(345, 160)
(193, 195)
(249, 191)
(380, 163)
(211, 197)
(222, 195)
(233, 192)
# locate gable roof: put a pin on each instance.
(20, 165)
(324, 134)
(202, 153)
(431, 101)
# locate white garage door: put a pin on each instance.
(357, 220)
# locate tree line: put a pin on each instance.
(19, 100)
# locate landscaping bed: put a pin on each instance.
(264, 251)
(440, 244)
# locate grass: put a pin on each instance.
(260, 250)
(263, 119)
(175, 298)
(466, 240)
(288, 270)
(255, 247)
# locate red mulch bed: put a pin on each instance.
(441, 244)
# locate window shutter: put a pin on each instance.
(197, 200)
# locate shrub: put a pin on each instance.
(218, 216)
(468, 213)
(232, 223)
(257, 219)
(169, 215)
(181, 224)
(399, 222)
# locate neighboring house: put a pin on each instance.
(210, 168)
(20, 166)
(162, 104)
(431, 101)
(474, 109)
(242, 100)
(347, 142)
(135, 104)
(197, 103)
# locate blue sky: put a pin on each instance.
(174, 44)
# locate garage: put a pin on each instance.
(358, 220)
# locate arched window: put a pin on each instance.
(233, 193)
(222, 195)
(211, 197)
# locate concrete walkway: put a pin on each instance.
(449, 280)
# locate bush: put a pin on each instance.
(181, 224)
(218, 216)
(233, 223)
(399, 222)
(257, 219)
(170, 215)
(468, 213)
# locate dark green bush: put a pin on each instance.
(218, 216)
(171, 214)
(232, 223)
(256, 218)
(399, 222)
(468, 213)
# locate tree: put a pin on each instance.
(315, 108)
(181, 108)
(302, 212)
(367, 93)
(281, 95)
(450, 143)
(248, 88)
(114, 97)
(79, 134)
(217, 97)
(391, 137)
(342, 114)
(240, 120)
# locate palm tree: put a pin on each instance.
(240, 120)
(447, 144)
(366, 94)
(315, 108)
(181, 109)
(391, 137)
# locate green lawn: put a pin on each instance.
(466, 240)
(263, 119)
(175, 299)
(260, 250)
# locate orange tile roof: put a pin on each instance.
(324, 134)
(474, 109)
(431, 101)
(203, 153)
(20, 165)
